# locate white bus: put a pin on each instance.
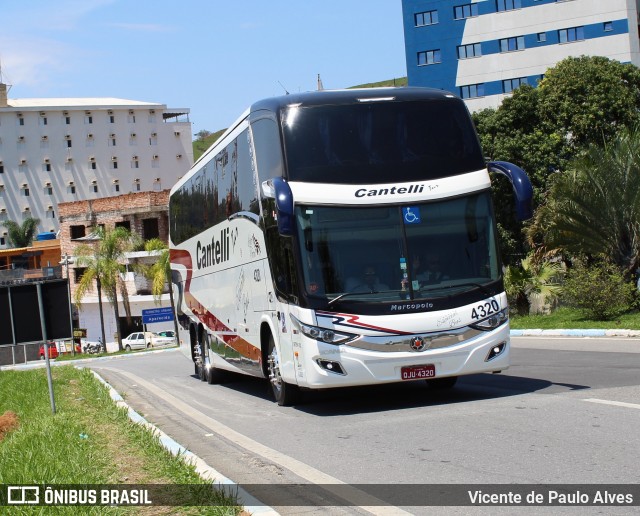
(343, 238)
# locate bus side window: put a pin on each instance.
(281, 264)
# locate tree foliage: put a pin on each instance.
(21, 235)
(594, 208)
(598, 289)
(531, 278)
(581, 101)
(104, 265)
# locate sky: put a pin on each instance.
(214, 57)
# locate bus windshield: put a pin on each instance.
(372, 141)
(386, 253)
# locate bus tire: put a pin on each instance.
(285, 394)
(442, 383)
(214, 374)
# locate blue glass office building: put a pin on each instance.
(482, 50)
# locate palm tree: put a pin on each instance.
(21, 235)
(528, 279)
(159, 274)
(594, 209)
(104, 265)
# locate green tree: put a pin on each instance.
(21, 235)
(594, 208)
(530, 278)
(587, 100)
(581, 101)
(104, 264)
(159, 273)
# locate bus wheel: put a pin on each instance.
(213, 374)
(442, 383)
(285, 393)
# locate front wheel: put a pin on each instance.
(126, 348)
(285, 393)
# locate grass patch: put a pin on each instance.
(88, 441)
(568, 318)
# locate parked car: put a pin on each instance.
(146, 339)
(57, 347)
(138, 340)
(167, 333)
(53, 351)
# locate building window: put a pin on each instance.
(123, 224)
(76, 232)
(46, 167)
(1, 168)
(112, 141)
(78, 272)
(511, 84)
(512, 44)
(116, 188)
(72, 190)
(131, 118)
(608, 26)
(467, 51)
(112, 119)
(569, 35)
(429, 57)
(508, 5)
(48, 190)
(67, 120)
(20, 120)
(426, 18)
(460, 12)
(23, 167)
(472, 91)
(94, 188)
(154, 139)
(50, 214)
(69, 145)
(150, 229)
(542, 36)
(43, 120)
(88, 119)
(114, 164)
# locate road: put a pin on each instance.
(566, 412)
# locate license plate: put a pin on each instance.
(418, 372)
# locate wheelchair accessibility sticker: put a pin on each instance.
(411, 215)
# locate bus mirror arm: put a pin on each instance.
(521, 185)
(284, 203)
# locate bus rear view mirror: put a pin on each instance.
(278, 189)
(522, 189)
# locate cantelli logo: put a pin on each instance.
(418, 344)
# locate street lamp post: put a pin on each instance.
(66, 260)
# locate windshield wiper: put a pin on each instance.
(467, 284)
(345, 294)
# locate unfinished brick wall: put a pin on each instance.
(133, 207)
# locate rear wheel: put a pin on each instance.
(443, 383)
(214, 374)
(285, 393)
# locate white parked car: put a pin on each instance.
(138, 340)
(146, 339)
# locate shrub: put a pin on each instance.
(599, 290)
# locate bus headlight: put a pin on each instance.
(493, 321)
(322, 334)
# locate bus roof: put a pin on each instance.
(350, 96)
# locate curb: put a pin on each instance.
(249, 502)
(574, 333)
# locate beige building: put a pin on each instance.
(61, 150)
